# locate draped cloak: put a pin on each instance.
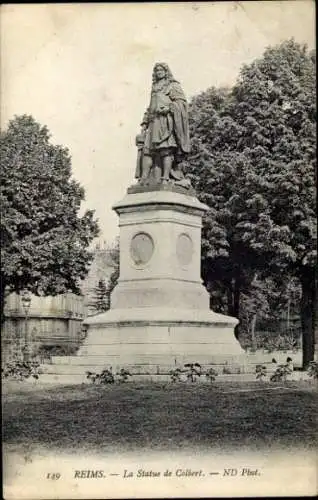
(167, 130)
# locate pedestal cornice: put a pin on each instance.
(160, 200)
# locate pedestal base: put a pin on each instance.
(155, 340)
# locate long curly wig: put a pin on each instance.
(169, 75)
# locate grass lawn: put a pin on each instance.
(129, 416)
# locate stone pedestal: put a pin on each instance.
(160, 252)
(159, 316)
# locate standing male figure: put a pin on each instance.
(165, 126)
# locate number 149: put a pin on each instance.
(53, 475)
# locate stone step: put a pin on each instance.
(82, 369)
(167, 358)
(77, 379)
(139, 369)
(155, 364)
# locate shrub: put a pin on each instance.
(21, 370)
(193, 370)
(175, 375)
(211, 375)
(312, 370)
(261, 372)
(123, 375)
(105, 377)
(281, 373)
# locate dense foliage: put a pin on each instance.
(21, 369)
(253, 163)
(44, 239)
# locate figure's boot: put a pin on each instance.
(146, 166)
(157, 174)
(167, 166)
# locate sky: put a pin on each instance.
(84, 71)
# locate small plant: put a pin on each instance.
(261, 372)
(92, 376)
(21, 370)
(193, 371)
(105, 377)
(123, 375)
(312, 370)
(175, 375)
(211, 375)
(281, 373)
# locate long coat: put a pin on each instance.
(166, 119)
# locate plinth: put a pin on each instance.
(159, 316)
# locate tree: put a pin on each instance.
(257, 160)
(218, 173)
(44, 240)
(113, 279)
(276, 112)
(100, 299)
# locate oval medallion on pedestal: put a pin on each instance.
(184, 249)
(141, 248)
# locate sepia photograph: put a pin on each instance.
(159, 250)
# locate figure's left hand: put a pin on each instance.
(164, 110)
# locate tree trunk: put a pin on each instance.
(233, 292)
(253, 328)
(236, 305)
(229, 296)
(307, 313)
(2, 299)
(236, 297)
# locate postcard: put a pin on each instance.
(158, 295)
